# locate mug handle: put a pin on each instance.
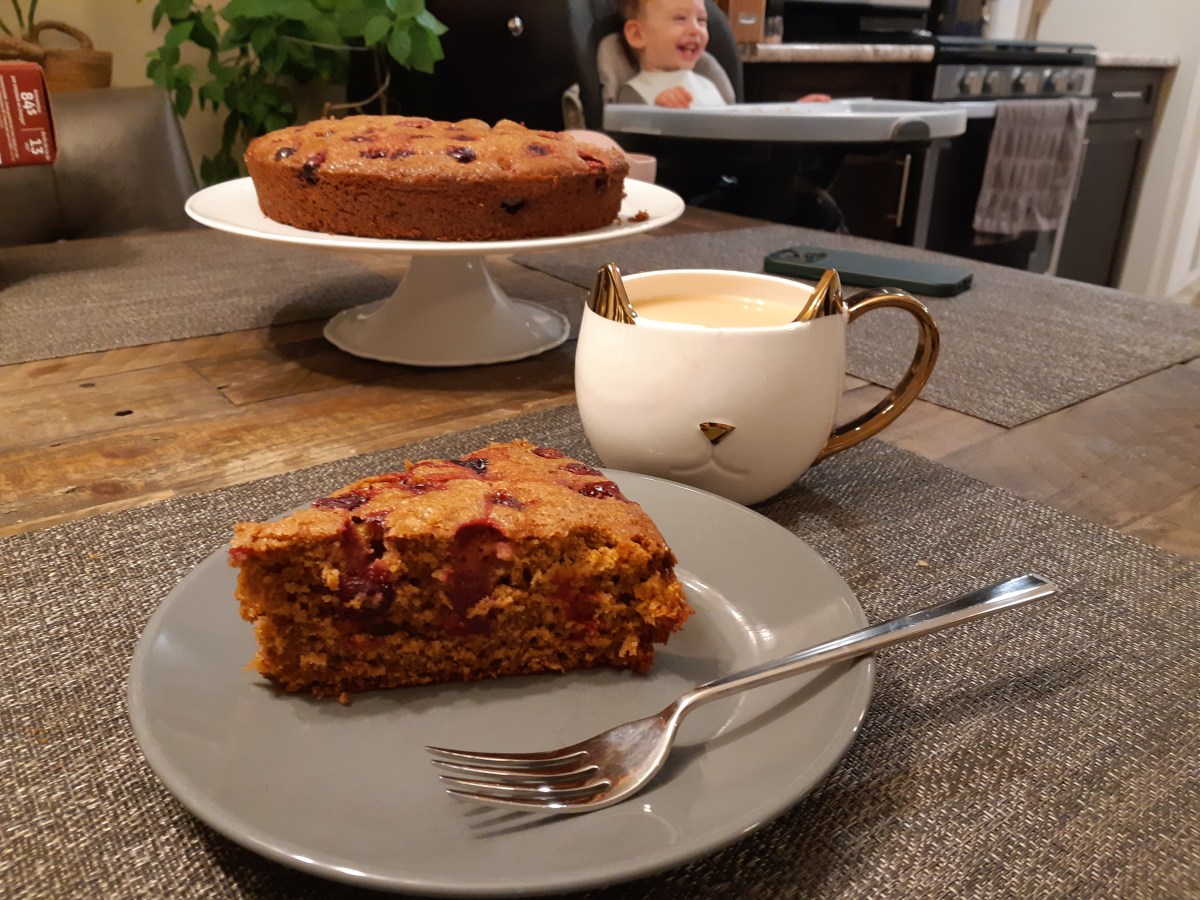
(905, 392)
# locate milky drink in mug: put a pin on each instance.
(715, 385)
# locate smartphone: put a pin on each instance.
(866, 270)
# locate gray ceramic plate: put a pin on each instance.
(346, 792)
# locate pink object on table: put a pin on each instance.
(642, 166)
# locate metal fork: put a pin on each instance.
(617, 763)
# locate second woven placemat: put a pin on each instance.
(1015, 346)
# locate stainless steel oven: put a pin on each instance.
(978, 73)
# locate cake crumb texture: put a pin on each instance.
(413, 178)
(513, 559)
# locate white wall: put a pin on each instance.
(119, 26)
(1164, 244)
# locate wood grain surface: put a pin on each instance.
(103, 431)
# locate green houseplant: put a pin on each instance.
(258, 51)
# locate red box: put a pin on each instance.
(26, 127)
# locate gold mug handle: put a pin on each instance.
(905, 392)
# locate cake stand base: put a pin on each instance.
(447, 311)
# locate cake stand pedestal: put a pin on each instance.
(447, 310)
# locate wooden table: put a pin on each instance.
(104, 431)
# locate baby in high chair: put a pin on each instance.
(668, 37)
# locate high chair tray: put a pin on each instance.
(838, 121)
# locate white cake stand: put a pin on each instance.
(447, 310)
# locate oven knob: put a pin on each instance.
(971, 83)
(999, 82)
(1030, 81)
(1060, 82)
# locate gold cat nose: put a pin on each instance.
(714, 431)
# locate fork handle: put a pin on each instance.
(970, 606)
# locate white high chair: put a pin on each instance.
(772, 161)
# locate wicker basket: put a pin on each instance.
(66, 68)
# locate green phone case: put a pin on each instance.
(866, 270)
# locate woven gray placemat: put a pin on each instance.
(1015, 346)
(107, 293)
(1047, 752)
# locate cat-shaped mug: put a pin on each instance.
(740, 406)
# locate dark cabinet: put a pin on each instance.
(873, 186)
(1115, 156)
(510, 60)
(778, 82)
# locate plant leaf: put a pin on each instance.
(183, 99)
(250, 9)
(324, 31)
(178, 33)
(426, 50)
(297, 10)
(221, 72)
(273, 57)
(376, 30)
(174, 10)
(207, 33)
(431, 23)
(213, 92)
(352, 20)
(406, 9)
(262, 38)
(155, 70)
(400, 45)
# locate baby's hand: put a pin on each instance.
(675, 98)
(814, 98)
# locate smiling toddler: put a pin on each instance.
(668, 37)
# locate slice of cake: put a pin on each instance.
(511, 560)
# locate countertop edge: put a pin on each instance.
(912, 53)
(1107, 59)
(873, 53)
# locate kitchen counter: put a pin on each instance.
(840, 53)
(1106, 59)
(912, 53)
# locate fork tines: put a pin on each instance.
(525, 780)
(508, 760)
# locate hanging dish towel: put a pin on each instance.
(1031, 167)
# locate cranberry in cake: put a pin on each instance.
(514, 559)
(419, 179)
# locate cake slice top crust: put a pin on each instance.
(517, 489)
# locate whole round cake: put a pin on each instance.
(419, 179)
